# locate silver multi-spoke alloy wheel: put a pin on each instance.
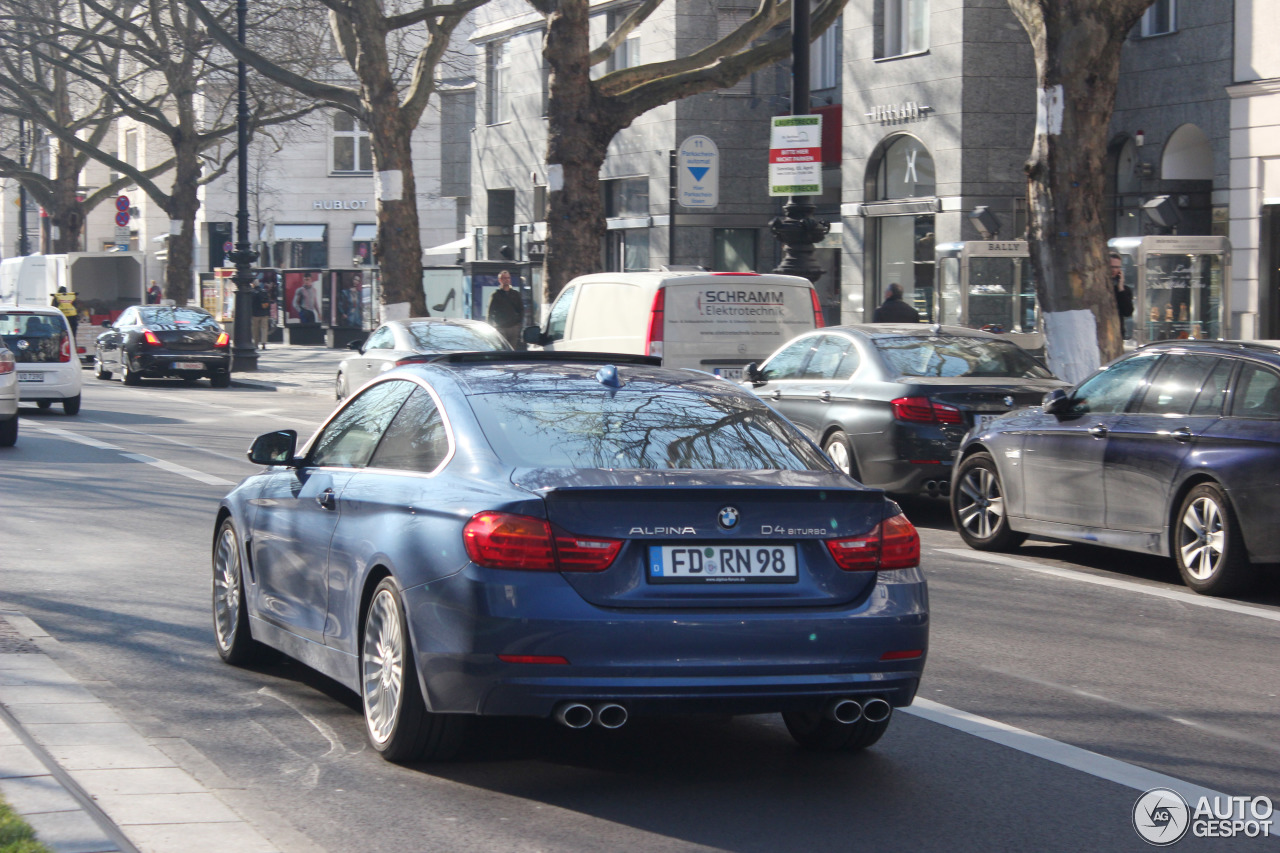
(226, 588)
(980, 504)
(839, 453)
(1202, 538)
(382, 663)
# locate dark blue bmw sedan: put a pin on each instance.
(577, 537)
(1173, 450)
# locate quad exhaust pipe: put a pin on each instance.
(848, 711)
(579, 715)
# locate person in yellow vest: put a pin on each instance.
(66, 303)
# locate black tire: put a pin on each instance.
(231, 633)
(71, 405)
(9, 432)
(1207, 546)
(98, 371)
(397, 721)
(840, 451)
(977, 506)
(44, 404)
(815, 732)
(220, 380)
(127, 376)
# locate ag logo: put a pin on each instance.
(1161, 816)
(728, 518)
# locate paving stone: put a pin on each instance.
(33, 794)
(53, 694)
(195, 808)
(71, 832)
(104, 757)
(145, 780)
(76, 712)
(208, 838)
(86, 734)
(20, 761)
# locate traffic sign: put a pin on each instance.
(122, 203)
(698, 172)
(122, 218)
(795, 155)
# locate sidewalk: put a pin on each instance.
(293, 369)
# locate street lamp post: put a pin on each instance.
(24, 245)
(797, 229)
(244, 354)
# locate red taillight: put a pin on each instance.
(64, 351)
(891, 544)
(653, 342)
(817, 310)
(922, 410)
(555, 659)
(150, 338)
(224, 340)
(6, 363)
(501, 540)
(904, 654)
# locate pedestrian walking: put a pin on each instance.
(894, 309)
(154, 293)
(1124, 294)
(261, 314)
(506, 309)
(65, 302)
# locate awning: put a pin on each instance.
(299, 233)
(161, 238)
(448, 248)
(364, 233)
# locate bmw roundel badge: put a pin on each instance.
(728, 518)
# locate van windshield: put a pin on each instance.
(34, 338)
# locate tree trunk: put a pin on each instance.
(580, 125)
(399, 252)
(182, 207)
(1077, 48)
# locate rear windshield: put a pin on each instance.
(174, 318)
(443, 337)
(33, 338)
(943, 356)
(595, 429)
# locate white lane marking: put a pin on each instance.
(171, 467)
(1064, 754)
(1129, 586)
(183, 444)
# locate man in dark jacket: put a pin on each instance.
(894, 310)
(506, 309)
(1124, 294)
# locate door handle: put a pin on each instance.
(1098, 431)
(825, 396)
(327, 499)
(1182, 434)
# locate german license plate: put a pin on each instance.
(30, 377)
(733, 374)
(762, 563)
(188, 365)
(980, 421)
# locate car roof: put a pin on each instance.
(442, 321)
(1262, 348)
(875, 331)
(492, 372)
(30, 309)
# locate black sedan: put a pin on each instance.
(396, 340)
(163, 340)
(890, 402)
(1173, 450)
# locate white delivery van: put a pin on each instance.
(713, 321)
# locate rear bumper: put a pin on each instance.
(162, 364)
(56, 384)
(734, 660)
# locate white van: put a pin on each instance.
(713, 321)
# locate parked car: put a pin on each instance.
(1172, 450)
(573, 537)
(400, 339)
(47, 369)
(889, 403)
(712, 321)
(8, 398)
(164, 340)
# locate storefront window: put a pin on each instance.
(1183, 297)
(904, 243)
(735, 249)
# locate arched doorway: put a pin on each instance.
(901, 188)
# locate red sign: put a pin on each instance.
(122, 218)
(122, 204)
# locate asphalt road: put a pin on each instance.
(1091, 672)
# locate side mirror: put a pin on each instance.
(274, 448)
(753, 374)
(532, 335)
(106, 324)
(356, 345)
(1056, 402)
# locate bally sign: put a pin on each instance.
(795, 155)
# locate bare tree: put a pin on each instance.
(583, 115)
(149, 63)
(1077, 48)
(389, 95)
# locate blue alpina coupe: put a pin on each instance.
(579, 537)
